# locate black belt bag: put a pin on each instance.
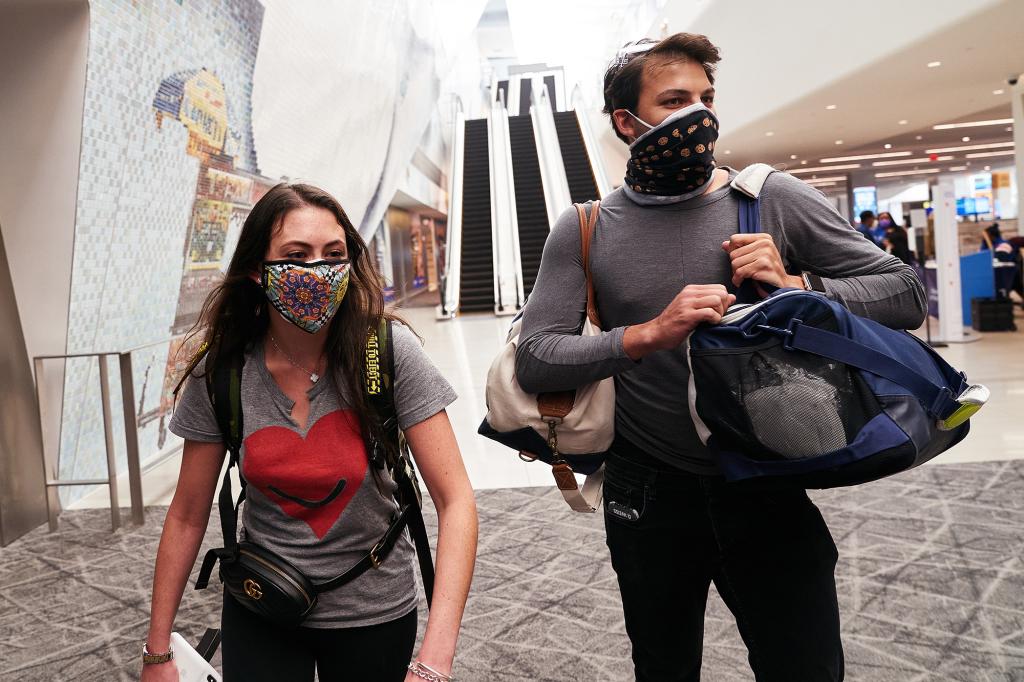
(268, 584)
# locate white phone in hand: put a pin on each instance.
(191, 666)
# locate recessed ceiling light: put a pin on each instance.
(830, 107)
(804, 162)
(932, 65)
(982, 155)
(839, 141)
(973, 124)
(728, 151)
(998, 92)
(886, 155)
(1009, 129)
(902, 122)
(792, 156)
(988, 167)
(769, 134)
(918, 138)
(968, 148)
(896, 174)
(957, 168)
(825, 168)
(903, 162)
(887, 146)
(965, 139)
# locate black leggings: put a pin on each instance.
(254, 649)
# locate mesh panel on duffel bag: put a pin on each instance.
(780, 404)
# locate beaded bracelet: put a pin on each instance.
(424, 671)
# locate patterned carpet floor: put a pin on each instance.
(931, 587)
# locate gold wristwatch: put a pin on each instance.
(150, 659)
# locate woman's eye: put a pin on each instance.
(336, 254)
(295, 255)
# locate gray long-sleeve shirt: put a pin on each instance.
(642, 256)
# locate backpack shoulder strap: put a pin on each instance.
(224, 386)
(750, 181)
(380, 393)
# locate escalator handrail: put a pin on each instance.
(513, 213)
(590, 142)
(453, 236)
(557, 197)
(503, 212)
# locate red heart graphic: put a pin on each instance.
(310, 469)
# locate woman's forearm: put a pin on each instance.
(179, 546)
(456, 554)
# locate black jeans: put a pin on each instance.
(770, 555)
(253, 649)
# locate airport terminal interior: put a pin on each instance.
(137, 135)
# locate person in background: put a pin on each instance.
(1018, 281)
(1002, 252)
(867, 225)
(896, 240)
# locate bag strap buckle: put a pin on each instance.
(375, 558)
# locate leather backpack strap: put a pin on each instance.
(556, 405)
(587, 225)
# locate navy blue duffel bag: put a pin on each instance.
(797, 390)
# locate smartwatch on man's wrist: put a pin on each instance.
(812, 282)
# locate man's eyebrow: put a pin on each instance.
(680, 92)
(673, 91)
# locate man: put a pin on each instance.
(665, 256)
(870, 228)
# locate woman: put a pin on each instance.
(896, 241)
(312, 498)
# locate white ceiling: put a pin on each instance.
(784, 63)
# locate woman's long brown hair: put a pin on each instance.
(236, 313)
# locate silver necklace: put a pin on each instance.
(313, 376)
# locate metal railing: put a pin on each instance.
(557, 197)
(453, 249)
(131, 436)
(504, 224)
(604, 187)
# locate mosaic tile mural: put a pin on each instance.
(180, 97)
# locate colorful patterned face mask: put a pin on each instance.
(306, 294)
(674, 160)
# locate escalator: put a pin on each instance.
(476, 287)
(578, 169)
(529, 192)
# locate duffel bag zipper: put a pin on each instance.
(278, 571)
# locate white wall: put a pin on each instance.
(43, 47)
(343, 92)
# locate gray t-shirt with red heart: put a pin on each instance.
(312, 497)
